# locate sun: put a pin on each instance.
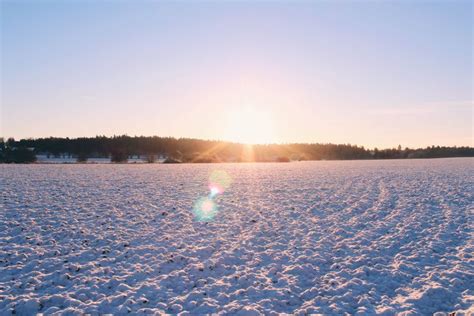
(250, 125)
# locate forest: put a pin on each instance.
(187, 150)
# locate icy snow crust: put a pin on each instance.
(366, 237)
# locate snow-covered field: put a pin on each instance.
(360, 237)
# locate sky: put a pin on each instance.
(372, 73)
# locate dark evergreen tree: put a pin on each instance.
(194, 150)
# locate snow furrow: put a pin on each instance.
(358, 237)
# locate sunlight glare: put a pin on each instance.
(250, 125)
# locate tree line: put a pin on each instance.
(173, 150)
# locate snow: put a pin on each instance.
(357, 237)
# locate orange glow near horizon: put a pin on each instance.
(248, 154)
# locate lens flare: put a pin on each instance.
(205, 209)
(220, 180)
(214, 191)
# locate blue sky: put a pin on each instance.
(369, 73)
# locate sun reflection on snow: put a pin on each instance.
(205, 208)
